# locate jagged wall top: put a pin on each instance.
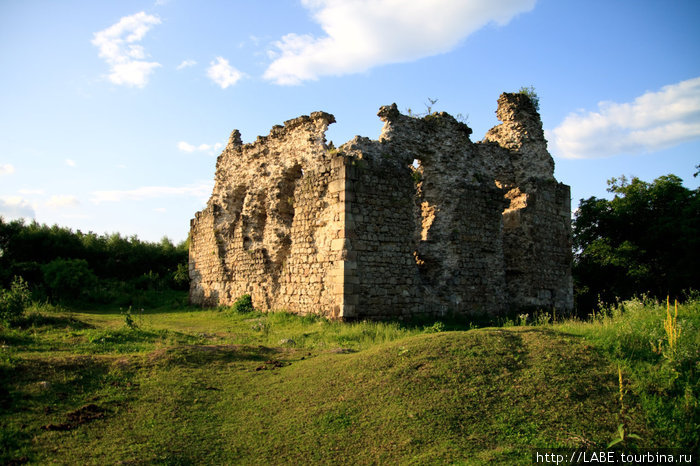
(317, 123)
(521, 133)
(519, 155)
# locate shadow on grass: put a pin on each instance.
(52, 383)
(37, 319)
(137, 301)
(460, 322)
(15, 441)
(42, 394)
(197, 355)
(14, 338)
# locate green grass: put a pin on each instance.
(667, 387)
(190, 386)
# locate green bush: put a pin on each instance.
(243, 305)
(68, 278)
(181, 277)
(148, 281)
(532, 95)
(437, 327)
(14, 301)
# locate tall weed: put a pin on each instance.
(672, 329)
(645, 339)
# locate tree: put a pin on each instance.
(645, 240)
(68, 278)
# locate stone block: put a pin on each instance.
(339, 244)
(336, 186)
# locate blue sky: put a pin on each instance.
(112, 113)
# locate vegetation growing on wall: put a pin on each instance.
(532, 94)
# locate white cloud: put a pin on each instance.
(12, 207)
(7, 169)
(70, 162)
(361, 34)
(187, 147)
(199, 191)
(186, 63)
(655, 120)
(222, 73)
(62, 201)
(118, 48)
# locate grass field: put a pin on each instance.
(176, 385)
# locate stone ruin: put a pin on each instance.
(421, 221)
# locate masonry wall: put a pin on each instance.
(538, 272)
(383, 281)
(421, 221)
(269, 226)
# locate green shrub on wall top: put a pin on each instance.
(530, 92)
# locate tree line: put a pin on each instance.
(62, 265)
(643, 241)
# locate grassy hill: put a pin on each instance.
(185, 386)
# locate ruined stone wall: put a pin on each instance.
(427, 224)
(537, 220)
(422, 220)
(268, 228)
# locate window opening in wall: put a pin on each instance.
(416, 173)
